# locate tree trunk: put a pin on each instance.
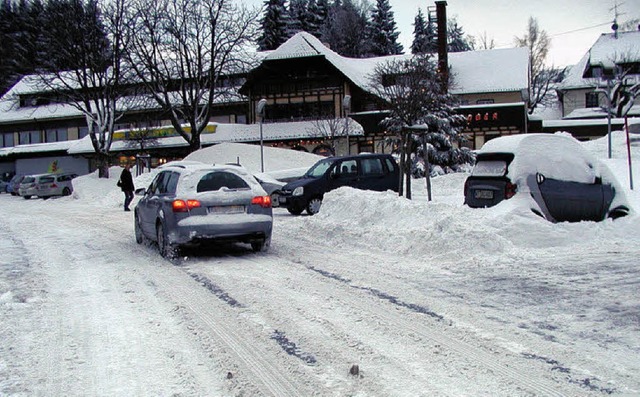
(103, 165)
(401, 173)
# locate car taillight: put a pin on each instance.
(262, 201)
(184, 206)
(510, 190)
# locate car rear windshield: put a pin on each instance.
(490, 168)
(217, 180)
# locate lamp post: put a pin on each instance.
(607, 95)
(346, 105)
(260, 113)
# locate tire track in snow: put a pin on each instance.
(350, 295)
(196, 297)
(256, 360)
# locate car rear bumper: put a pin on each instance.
(200, 229)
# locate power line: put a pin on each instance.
(578, 30)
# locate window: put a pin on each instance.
(82, 132)
(172, 183)
(347, 168)
(485, 101)
(371, 167)
(591, 100)
(6, 140)
(159, 184)
(217, 180)
(56, 135)
(27, 137)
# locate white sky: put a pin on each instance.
(502, 20)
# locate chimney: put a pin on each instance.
(443, 55)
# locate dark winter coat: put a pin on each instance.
(126, 181)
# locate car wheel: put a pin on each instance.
(138, 230)
(164, 247)
(294, 210)
(66, 191)
(313, 207)
(260, 245)
(27, 197)
(618, 212)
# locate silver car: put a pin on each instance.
(29, 185)
(190, 203)
(55, 185)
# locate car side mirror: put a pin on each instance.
(540, 178)
(141, 191)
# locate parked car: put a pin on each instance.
(4, 186)
(29, 185)
(56, 185)
(14, 184)
(365, 171)
(560, 180)
(191, 203)
(272, 186)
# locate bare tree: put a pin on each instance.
(95, 85)
(181, 51)
(421, 115)
(543, 77)
(484, 42)
(333, 129)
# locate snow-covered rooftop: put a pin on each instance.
(497, 70)
(606, 51)
(231, 133)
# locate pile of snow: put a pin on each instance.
(445, 227)
(275, 159)
(103, 191)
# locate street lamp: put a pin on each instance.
(607, 95)
(260, 113)
(346, 105)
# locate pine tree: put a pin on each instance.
(8, 28)
(345, 29)
(299, 15)
(383, 36)
(318, 14)
(458, 42)
(420, 39)
(275, 25)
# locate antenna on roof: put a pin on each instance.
(616, 14)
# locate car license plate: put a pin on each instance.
(483, 194)
(226, 209)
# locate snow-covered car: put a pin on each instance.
(190, 203)
(560, 180)
(56, 185)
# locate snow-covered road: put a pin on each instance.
(85, 311)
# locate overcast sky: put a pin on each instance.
(574, 25)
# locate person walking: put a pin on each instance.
(126, 184)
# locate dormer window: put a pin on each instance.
(31, 101)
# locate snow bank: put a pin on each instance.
(275, 159)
